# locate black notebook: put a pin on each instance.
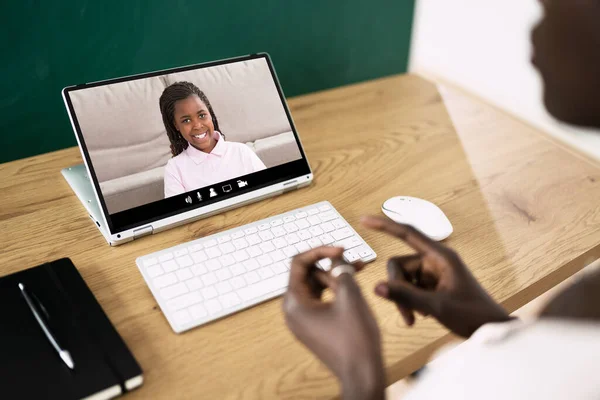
(31, 368)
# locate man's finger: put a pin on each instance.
(406, 233)
(406, 267)
(302, 263)
(408, 296)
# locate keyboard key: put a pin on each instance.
(263, 227)
(251, 264)
(199, 269)
(277, 255)
(209, 279)
(237, 235)
(185, 261)
(251, 277)
(287, 262)
(173, 291)
(302, 224)
(279, 268)
(184, 301)
(365, 253)
(276, 222)
(326, 239)
(213, 306)
(184, 274)
(182, 317)
(264, 260)
(148, 262)
(301, 215)
(265, 272)
(180, 252)
(314, 220)
(316, 231)
(213, 264)
(290, 227)
(198, 311)
(288, 218)
(304, 234)
(223, 274)
(349, 243)
(250, 231)
(327, 227)
(351, 256)
(209, 293)
(254, 251)
(196, 247)
(223, 287)
(229, 300)
(227, 260)
(213, 252)
(194, 284)
(267, 247)
(280, 243)
(292, 238)
(210, 243)
(312, 211)
(302, 247)
(165, 257)
(227, 248)
(324, 207)
(262, 288)
(165, 280)
(237, 282)
(154, 271)
(325, 264)
(266, 235)
(240, 244)
(223, 239)
(199, 256)
(328, 216)
(241, 255)
(278, 231)
(314, 242)
(342, 234)
(338, 224)
(237, 269)
(290, 251)
(253, 239)
(170, 266)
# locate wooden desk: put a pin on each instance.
(525, 212)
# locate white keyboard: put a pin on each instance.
(210, 278)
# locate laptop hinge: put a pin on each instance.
(143, 231)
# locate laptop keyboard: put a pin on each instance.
(215, 276)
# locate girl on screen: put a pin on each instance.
(201, 156)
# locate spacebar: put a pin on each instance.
(264, 287)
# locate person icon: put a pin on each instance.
(213, 193)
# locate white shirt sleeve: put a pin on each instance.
(172, 181)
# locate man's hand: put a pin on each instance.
(436, 282)
(342, 333)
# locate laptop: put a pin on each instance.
(164, 148)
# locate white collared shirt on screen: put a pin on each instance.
(193, 168)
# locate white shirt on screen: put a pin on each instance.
(193, 168)
(544, 359)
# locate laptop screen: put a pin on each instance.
(166, 142)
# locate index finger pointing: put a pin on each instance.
(406, 233)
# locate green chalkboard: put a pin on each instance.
(47, 45)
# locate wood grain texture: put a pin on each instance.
(524, 210)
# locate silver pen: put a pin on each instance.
(64, 354)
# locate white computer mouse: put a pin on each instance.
(421, 214)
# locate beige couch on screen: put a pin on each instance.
(126, 138)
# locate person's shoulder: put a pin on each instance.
(240, 147)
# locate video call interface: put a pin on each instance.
(198, 135)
